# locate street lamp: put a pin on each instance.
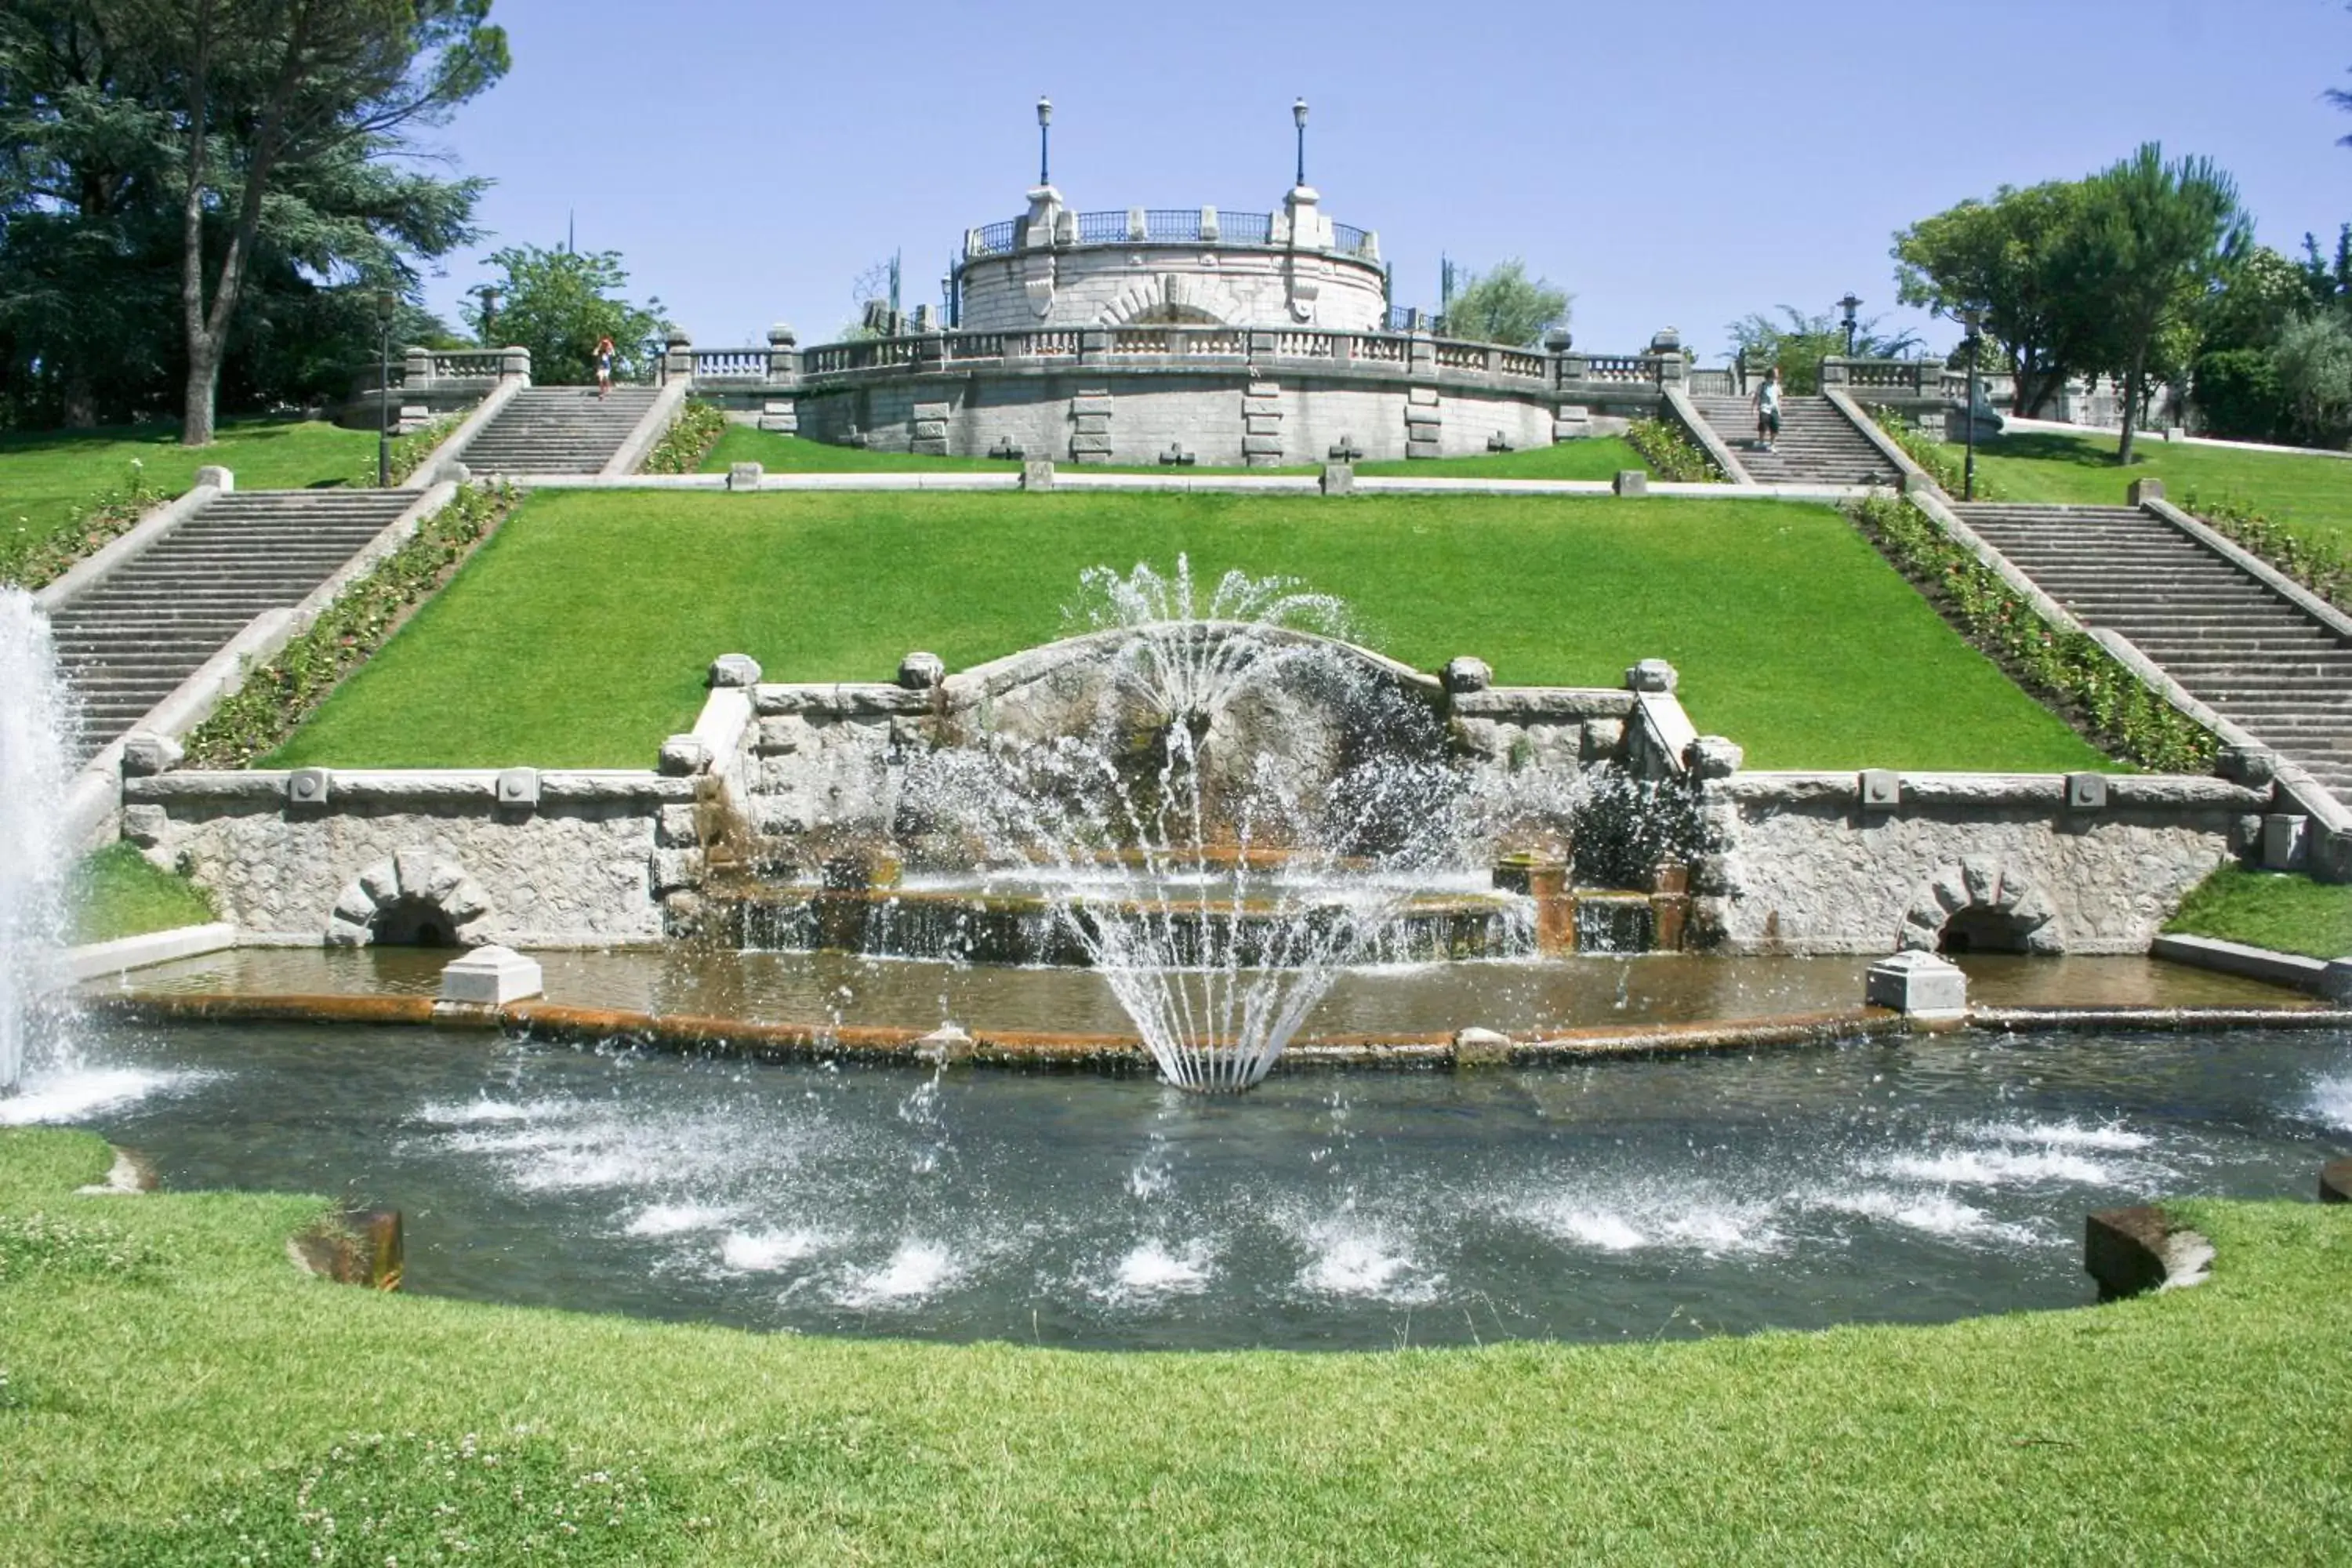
(489, 295)
(1850, 304)
(1045, 124)
(1298, 118)
(386, 301)
(1973, 320)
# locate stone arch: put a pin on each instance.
(1170, 299)
(1979, 904)
(415, 898)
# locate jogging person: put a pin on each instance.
(1767, 409)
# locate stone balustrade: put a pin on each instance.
(472, 371)
(1166, 226)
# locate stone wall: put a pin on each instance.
(1102, 286)
(523, 858)
(1204, 413)
(1876, 862)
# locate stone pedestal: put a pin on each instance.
(490, 977)
(1921, 985)
(1481, 1047)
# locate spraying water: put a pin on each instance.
(36, 736)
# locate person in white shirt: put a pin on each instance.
(1767, 409)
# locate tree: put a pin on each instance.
(275, 99)
(1796, 343)
(2314, 374)
(1503, 306)
(558, 303)
(2150, 248)
(2003, 257)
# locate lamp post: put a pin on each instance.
(490, 298)
(1045, 128)
(1973, 320)
(1298, 118)
(1850, 304)
(385, 301)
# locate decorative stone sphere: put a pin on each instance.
(1467, 674)
(921, 672)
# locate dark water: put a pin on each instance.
(1424, 998)
(1923, 1180)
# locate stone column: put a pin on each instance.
(783, 357)
(416, 368)
(677, 356)
(514, 360)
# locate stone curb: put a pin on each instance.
(93, 960)
(2323, 977)
(451, 451)
(119, 551)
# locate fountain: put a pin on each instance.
(1219, 892)
(36, 724)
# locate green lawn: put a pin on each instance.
(1599, 457)
(116, 893)
(47, 475)
(792, 455)
(580, 634)
(2284, 912)
(176, 1394)
(2310, 494)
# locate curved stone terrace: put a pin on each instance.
(1171, 226)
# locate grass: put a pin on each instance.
(2282, 912)
(116, 893)
(175, 1392)
(2311, 495)
(45, 476)
(579, 635)
(1597, 457)
(780, 454)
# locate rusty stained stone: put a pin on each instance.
(2336, 1182)
(359, 1247)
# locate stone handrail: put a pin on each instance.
(423, 368)
(1920, 377)
(730, 365)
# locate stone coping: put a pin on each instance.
(408, 787)
(790, 1041)
(93, 960)
(1076, 478)
(2124, 791)
(2325, 977)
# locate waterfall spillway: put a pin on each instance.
(36, 734)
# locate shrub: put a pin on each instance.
(687, 440)
(1672, 455)
(1933, 456)
(2239, 392)
(28, 560)
(2320, 564)
(278, 696)
(2069, 670)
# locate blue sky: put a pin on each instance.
(1674, 162)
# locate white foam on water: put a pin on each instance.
(1999, 1168)
(1149, 1270)
(2066, 1134)
(474, 1113)
(678, 1219)
(1630, 1219)
(69, 1096)
(1932, 1214)
(2331, 1101)
(1349, 1257)
(566, 1145)
(916, 1270)
(759, 1251)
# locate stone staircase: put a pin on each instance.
(1818, 445)
(558, 430)
(129, 641)
(2242, 650)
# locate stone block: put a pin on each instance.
(519, 787)
(1480, 1048)
(1422, 396)
(491, 977)
(1921, 985)
(1036, 474)
(921, 672)
(2336, 1182)
(1084, 404)
(1601, 738)
(2286, 841)
(412, 869)
(145, 754)
(1091, 424)
(1262, 389)
(2141, 492)
(674, 869)
(1338, 479)
(1084, 445)
(2087, 792)
(1262, 446)
(1651, 675)
(2335, 981)
(1463, 673)
(2132, 1250)
(1262, 421)
(926, 411)
(307, 787)
(1712, 757)
(744, 476)
(930, 430)
(679, 827)
(733, 671)
(944, 1045)
(1418, 447)
(219, 478)
(1882, 790)
(145, 825)
(1631, 482)
(2252, 766)
(683, 756)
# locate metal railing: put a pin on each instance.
(996, 239)
(1245, 228)
(1102, 229)
(1172, 225)
(1162, 225)
(1349, 240)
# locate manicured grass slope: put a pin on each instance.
(165, 1363)
(45, 476)
(579, 636)
(116, 893)
(2284, 912)
(2310, 494)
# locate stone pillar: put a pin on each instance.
(1261, 425)
(514, 360)
(677, 356)
(1090, 412)
(930, 430)
(416, 368)
(783, 356)
(1423, 422)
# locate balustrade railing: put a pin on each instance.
(1913, 376)
(1246, 229)
(1173, 225)
(996, 239)
(1102, 229)
(1349, 240)
(730, 365)
(1163, 225)
(1517, 362)
(1620, 368)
